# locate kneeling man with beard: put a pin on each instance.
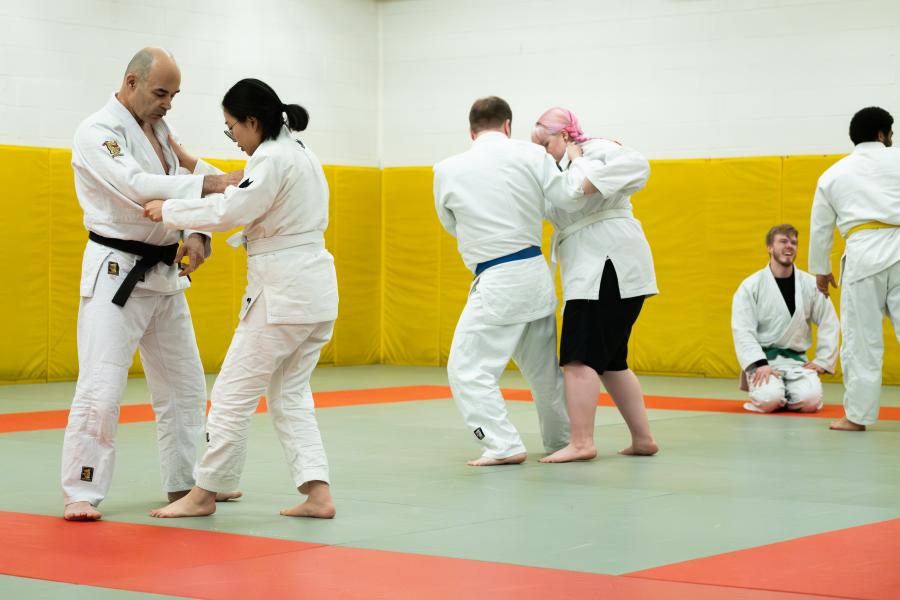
(771, 316)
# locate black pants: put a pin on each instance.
(596, 332)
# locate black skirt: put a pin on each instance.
(596, 332)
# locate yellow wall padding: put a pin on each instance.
(412, 268)
(44, 238)
(706, 220)
(402, 283)
(67, 241)
(356, 227)
(25, 247)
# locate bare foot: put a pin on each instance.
(311, 508)
(226, 496)
(642, 448)
(220, 496)
(845, 424)
(197, 503)
(81, 511)
(515, 459)
(571, 453)
(318, 505)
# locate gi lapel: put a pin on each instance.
(796, 327)
(138, 144)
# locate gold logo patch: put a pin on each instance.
(113, 147)
(87, 473)
(112, 268)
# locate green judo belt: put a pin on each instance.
(773, 352)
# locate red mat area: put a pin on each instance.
(140, 413)
(200, 564)
(860, 562)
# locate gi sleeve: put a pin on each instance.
(237, 206)
(619, 171)
(445, 215)
(106, 155)
(821, 233)
(827, 336)
(561, 192)
(743, 328)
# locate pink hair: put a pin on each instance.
(558, 119)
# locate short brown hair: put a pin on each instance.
(783, 229)
(489, 113)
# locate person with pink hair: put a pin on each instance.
(607, 272)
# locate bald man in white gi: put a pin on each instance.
(491, 198)
(132, 288)
(771, 316)
(860, 195)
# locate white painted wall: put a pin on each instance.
(390, 82)
(673, 78)
(61, 59)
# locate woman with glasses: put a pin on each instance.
(607, 271)
(290, 305)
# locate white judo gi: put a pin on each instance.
(491, 199)
(287, 313)
(605, 228)
(860, 194)
(116, 171)
(761, 323)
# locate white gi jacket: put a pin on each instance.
(617, 172)
(760, 319)
(860, 188)
(491, 199)
(116, 172)
(477, 206)
(283, 203)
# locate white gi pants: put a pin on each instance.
(276, 360)
(864, 304)
(794, 384)
(480, 352)
(160, 325)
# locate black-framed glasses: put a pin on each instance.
(228, 131)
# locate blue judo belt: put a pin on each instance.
(529, 252)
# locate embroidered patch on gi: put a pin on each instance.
(87, 473)
(245, 183)
(113, 147)
(479, 433)
(112, 268)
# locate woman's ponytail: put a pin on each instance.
(297, 117)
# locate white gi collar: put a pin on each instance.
(489, 137)
(868, 147)
(137, 136)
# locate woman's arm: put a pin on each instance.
(237, 206)
(615, 171)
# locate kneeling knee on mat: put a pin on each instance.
(807, 405)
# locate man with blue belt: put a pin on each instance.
(491, 199)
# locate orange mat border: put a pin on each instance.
(859, 562)
(141, 413)
(205, 564)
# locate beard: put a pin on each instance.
(784, 261)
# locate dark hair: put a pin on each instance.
(785, 229)
(254, 98)
(865, 124)
(489, 113)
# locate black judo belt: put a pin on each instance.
(150, 257)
